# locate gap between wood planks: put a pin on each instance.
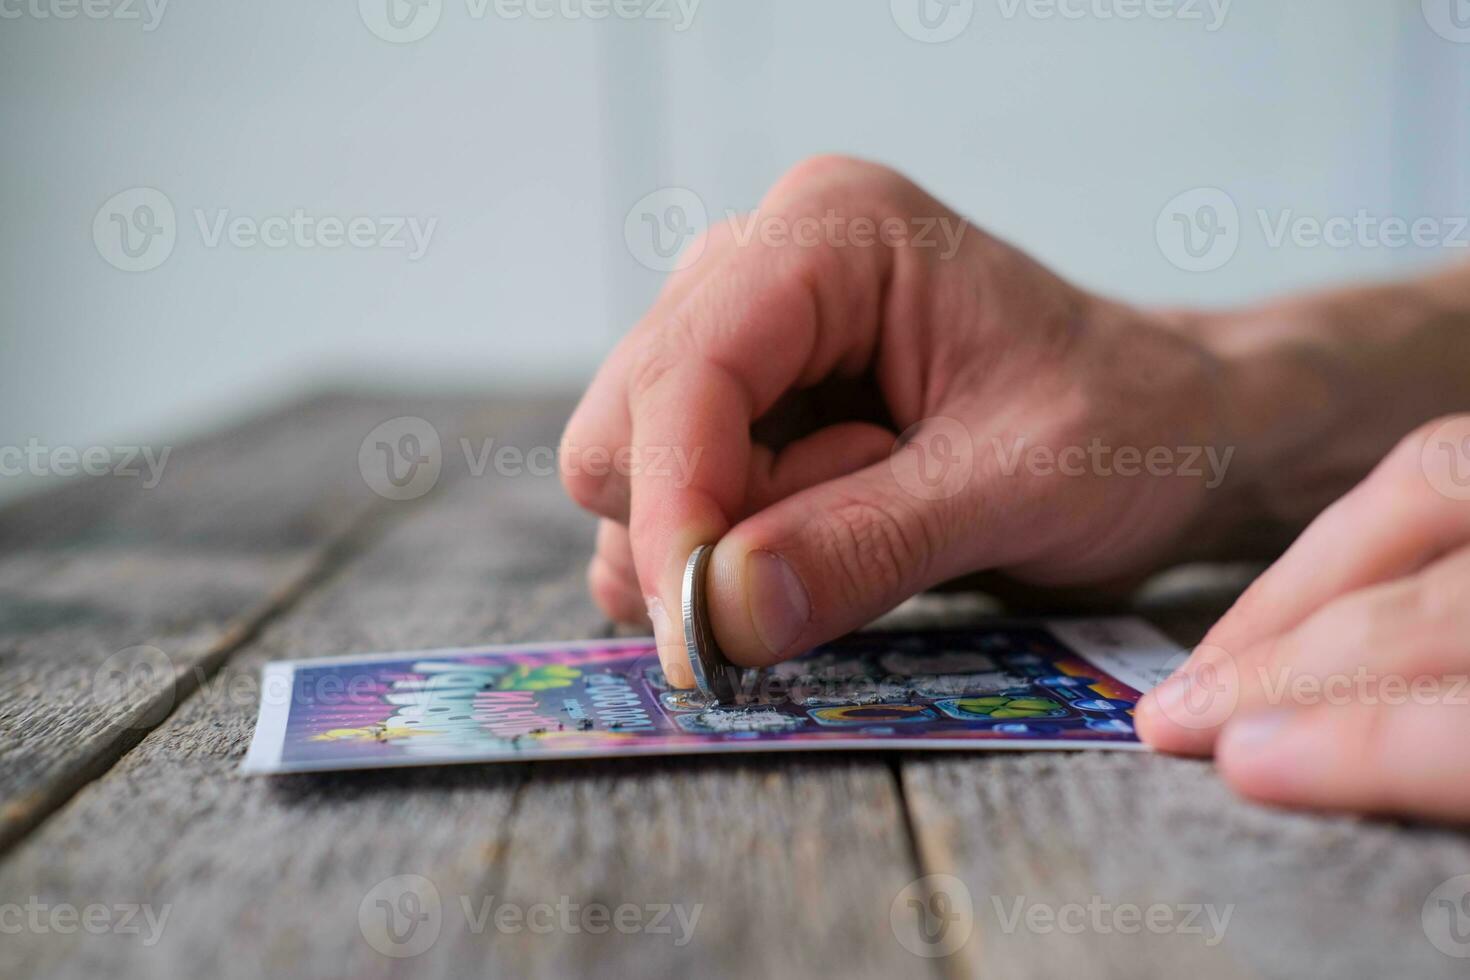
(26, 815)
(334, 556)
(965, 962)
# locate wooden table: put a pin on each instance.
(265, 542)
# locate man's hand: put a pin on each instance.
(1045, 432)
(860, 408)
(1341, 679)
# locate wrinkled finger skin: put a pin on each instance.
(985, 366)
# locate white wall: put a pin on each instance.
(529, 140)
(1070, 136)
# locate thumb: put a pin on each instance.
(835, 556)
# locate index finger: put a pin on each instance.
(727, 354)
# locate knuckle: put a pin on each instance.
(1395, 487)
(818, 170)
(1345, 623)
(584, 488)
(1278, 654)
(1406, 460)
(1420, 436)
(814, 178)
(596, 490)
(1251, 605)
(714, 240)
(1441, 600)
(598, 584)
(875, 549)
(612, 594)
(1402, 489)
(655, 361)
(644, 523)
(1403, 461)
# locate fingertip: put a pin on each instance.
(603, 494)
(1163, 736)
(675, 663)
(668, 638)
(1151, 726)
(1170, 719)
(1271, 756)
(676, 668)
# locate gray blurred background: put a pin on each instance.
(529, 141)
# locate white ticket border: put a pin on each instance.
(1127, 648)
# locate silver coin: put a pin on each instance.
(715, 676)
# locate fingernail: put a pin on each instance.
(1176, 697)
(671, 649)
(779, 605)
(1254, 732)
(677, 671)
(1167, 695)
(658, 616)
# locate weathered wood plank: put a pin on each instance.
(1050, 835)
(117, 599)
(794, 863)
(106, 565)
(790, 865)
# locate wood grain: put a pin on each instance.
(1089, 837)
(117, 598)
(792, 864)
